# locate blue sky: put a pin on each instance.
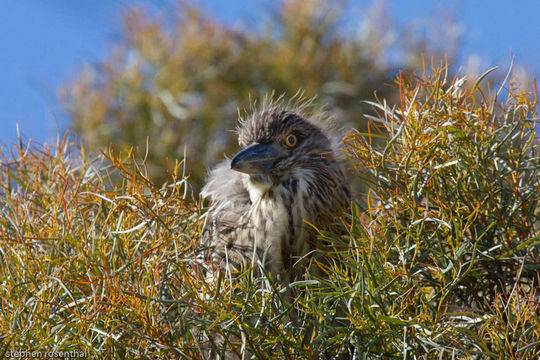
(44, 43)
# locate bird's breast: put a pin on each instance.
(270, 229)
(277, 224)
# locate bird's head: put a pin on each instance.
(276, 142)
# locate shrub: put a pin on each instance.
(82, 255)
(456, 221)
(179, 79)
(443, 262)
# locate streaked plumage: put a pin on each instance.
(286, 175)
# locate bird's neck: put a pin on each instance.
(260, 185)
(257, 186)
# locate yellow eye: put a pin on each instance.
(291, 140)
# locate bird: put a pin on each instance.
(265, 202)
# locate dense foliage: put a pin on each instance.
(444, 262)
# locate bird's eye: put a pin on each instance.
(291, 140)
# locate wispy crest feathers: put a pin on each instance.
(306, 107)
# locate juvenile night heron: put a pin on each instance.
(263, 201)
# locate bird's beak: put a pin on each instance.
(256, 158)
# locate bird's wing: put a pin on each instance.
(229, 201)
(224, 184)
